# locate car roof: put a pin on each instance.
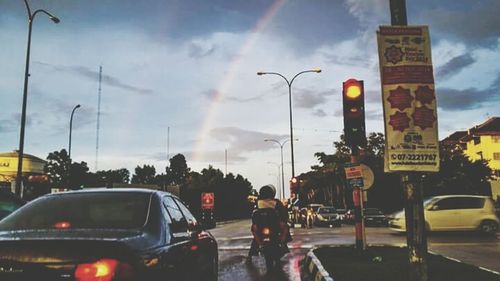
(459, 195)
(111, 190)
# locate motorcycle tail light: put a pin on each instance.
(266, 231)
(103, 270)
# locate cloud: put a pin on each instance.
(212, 94)
(320, 113)
(478, 24)
(454, 66)
(471, 98)
(308, 99)
(93, 75)
(199, 49)
(10, 124)
(244, 140)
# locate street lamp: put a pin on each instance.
(289, 83)
(281, 144)
(282, 196)
(31, 17)
(70, 129)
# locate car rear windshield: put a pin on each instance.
(93, 210)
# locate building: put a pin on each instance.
(481, 142)
(32, 169)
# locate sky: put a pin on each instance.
(188, 67)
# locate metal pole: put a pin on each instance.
(357, 196)
(282, 175)
(291, 126)
(70, 129)
(416, 238)
(20, 155)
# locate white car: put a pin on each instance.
(454, 213)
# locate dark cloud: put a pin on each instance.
(308, 99)
(471, 98)
(477, 24)
(196, 50)
(320, 113)
(454, 66)
(93, 75)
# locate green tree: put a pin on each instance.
(114, 176)
(178, 170)
(144, 175)
(57, 168)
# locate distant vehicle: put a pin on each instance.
(374, 217)
(106, 234)
(9, 202)
(349, 216)
(454, 213)
(327, 216)
(314, 207)
(341, 213)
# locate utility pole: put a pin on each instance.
(416, 238)
(98, 119)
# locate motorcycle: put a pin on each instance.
(270, 247)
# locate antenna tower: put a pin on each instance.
(98, 119)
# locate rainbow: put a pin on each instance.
(226, 82)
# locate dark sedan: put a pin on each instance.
(106, 235)
(375, 217)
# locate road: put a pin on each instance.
(234, 241)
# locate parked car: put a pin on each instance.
(106, 234)
(349, 216)
(9, 202)
(374, 217)
(454, 213)
(342, 214)
(327, 216)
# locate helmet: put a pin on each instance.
(267, 191)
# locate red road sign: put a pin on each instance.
(207, 200)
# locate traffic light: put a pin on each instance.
(353, 98)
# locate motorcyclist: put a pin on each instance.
(266, 200)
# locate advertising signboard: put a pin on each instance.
(409, 99)
(207, 200)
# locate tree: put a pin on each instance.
(144, 175)
(114, 176)
(57, 168)
(178, 171)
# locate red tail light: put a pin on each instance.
(266, 231)
(102, 270)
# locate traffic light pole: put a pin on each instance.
(357, 197)
(412, 182)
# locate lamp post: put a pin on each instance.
(281, 144)
(31, 17)
(289, 83)
(70, 129)
(282, 196)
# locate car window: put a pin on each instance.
(191, 220)
(90, 210)
(470, 203)
(178, 222)
(447, 204)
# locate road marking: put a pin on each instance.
(234, 238)
(240, 247)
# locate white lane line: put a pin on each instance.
(234, 238)
(240, 247)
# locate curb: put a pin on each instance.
(313, 266)
(459, 261)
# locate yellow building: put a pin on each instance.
(482, 142)
(32, 167)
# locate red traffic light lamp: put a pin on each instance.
(353, 99)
